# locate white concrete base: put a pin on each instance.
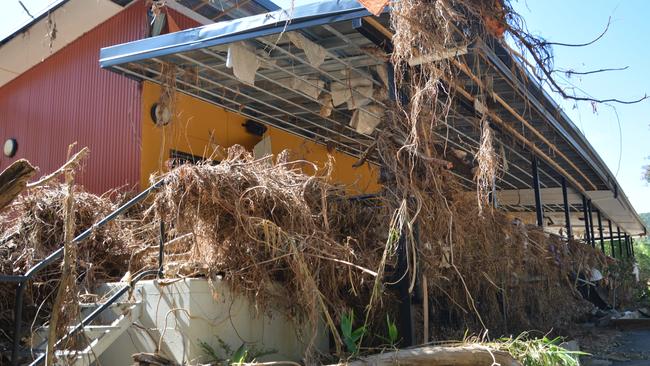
(181, 314)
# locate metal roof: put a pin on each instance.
(42, 15)
(525, 118)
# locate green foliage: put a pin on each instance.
(538, 351)
(244, 354)
(351, 337)
(642, 251)
(392, 331)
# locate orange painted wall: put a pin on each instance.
(197, 120)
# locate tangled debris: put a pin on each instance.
(291, 240)
(288, 239)
(32, 228)
(260, 223)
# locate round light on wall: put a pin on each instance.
(160, 115)
(10, 148)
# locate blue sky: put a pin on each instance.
(625, 44)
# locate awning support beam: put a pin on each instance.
(585, 212)
(591, 225)
(620, 245)
(567, 213)
(600, 232)
(538, 196)
(611, 238)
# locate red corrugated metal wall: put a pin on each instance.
(68, 98)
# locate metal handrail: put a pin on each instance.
(22, 280)
(92, 316)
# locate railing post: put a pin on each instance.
(18, 321)
(567, 213)
(161, 249)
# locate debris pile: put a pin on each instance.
(260, 223)
(32, 228)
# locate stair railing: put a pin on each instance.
(22, 280)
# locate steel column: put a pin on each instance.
(567, 213)
(405, 315)
(591, 225)
(620, 245)
(161, 250)
(585, 212)
(611, 238)
(538, 194)
(632, 247)
(600, 232)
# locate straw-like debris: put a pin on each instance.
(32, 228)
(261, 224)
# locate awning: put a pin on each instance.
(320, 71)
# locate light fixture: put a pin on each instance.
(160, 115)
(254, 128)
(10, 147)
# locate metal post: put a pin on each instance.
(585, 212)
(632, 246)
(611, 238)
(600, 232)
(405, 317)
(538, 194)
(591, 225)
(161, 249)
(567, 213)
(620, 245)
(18, 321)
(627, 246)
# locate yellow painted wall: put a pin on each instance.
(197, 120)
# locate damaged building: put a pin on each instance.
(155, 92)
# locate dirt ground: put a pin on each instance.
(613, 347)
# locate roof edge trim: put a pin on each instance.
(232, 31)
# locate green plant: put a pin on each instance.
(391, 330)
(244, 354)
(538, 351)
(351, 337)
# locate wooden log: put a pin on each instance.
(151, 359)
(13, 180)
(470, 355)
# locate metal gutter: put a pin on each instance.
(232, 31)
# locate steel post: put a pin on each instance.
(600, 232)
(585, 212)
(538, 195)
(620, 245)
(591, 225)
(567, 213)
(611, 238)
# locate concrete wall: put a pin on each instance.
(182, 313)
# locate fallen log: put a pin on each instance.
(13, 180)
(471, 355)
